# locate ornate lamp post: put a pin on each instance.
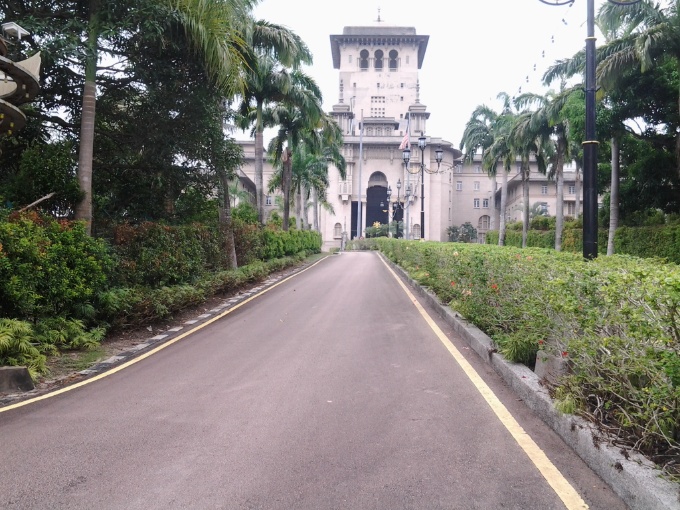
(389, 195)
(422, 143)
(590, 142)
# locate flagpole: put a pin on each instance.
(361, 159)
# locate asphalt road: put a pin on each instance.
(328, 391)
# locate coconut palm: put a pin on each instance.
(527, 140)
(489, 131)
(552, 127)
(268, 80)
(299, 123)
(310, 179)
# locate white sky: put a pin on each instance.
(477, 48)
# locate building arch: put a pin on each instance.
(415, 231)
(484, 222)
(393, 60)
(363, 60)
(337, 231)
(377, 179)
(378, 60)
(377, 206)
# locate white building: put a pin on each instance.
(378, 100)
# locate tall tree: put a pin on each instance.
(298, 121)
(527, 140)
(487, 131)
(268, 80)
(551, 128)
(310, 176)
(210, 29)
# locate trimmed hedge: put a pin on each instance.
(647, 242)
(49, 268)
(61, 289)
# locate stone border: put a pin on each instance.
(634, 478)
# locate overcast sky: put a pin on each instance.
(477, 48)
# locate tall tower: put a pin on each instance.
(379, 89)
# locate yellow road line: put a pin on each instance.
(571, 499)
(139, 358)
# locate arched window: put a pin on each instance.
(394, 56)
(377, 179)
(363, 60)
(378, 64)
(484, 222)
(337, 231)
(416, 231)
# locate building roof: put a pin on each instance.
(378, 35)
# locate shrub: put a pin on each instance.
(17, 349)
(157, 255)
(50, 267)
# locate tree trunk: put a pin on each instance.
(287, 171)
(305, 208)
(298, 209)
(614, 196)
(259, 172)
(559, 179)
(493, 221)
(577, 191)
(525, 198)
(504, 204)
(225, 221)
(315, 214)
(83, 210)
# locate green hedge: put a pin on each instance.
(61, 289)
(50, 268)
(647, 242)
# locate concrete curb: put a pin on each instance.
(635, 479)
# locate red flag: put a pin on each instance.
(406, 141)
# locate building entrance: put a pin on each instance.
(377, 209)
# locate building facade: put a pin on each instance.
(379, 112)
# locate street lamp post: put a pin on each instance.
(407, 198)
(397, 208)
(389, 195)
(590, 142)
(422, 143)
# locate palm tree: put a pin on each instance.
(310, 179)
(84, 207)
(526, 140)
(268, 80)
(302, 122)
(487, 131)
(552, 128)
(639, 36)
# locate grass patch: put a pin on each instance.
(75, 361)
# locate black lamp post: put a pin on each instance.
(389, 195)
(422, 143)
(397, 208)
(590, 143)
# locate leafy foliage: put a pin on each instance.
(50, 267)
